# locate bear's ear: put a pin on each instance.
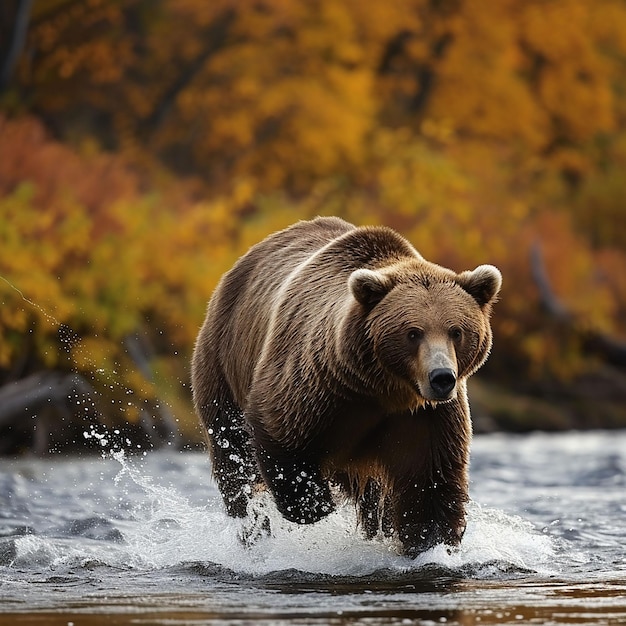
(369, 287)
(483, 283)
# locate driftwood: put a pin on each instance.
(610, 349)
(41, 390)
(28, 405)
(52, 409)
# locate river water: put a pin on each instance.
(143, 540)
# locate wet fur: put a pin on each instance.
(303, 387)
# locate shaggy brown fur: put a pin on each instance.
(336, 355)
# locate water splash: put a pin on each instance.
(50, 318)
(161, 528)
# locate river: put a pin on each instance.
(142, 539)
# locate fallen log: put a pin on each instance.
(41, 390)
(52, 409)
(28, 406)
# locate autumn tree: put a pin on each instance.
(166, 136)
(90, 264)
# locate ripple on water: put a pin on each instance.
(544, 538)
(163, 529)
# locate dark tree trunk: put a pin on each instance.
(14, 16)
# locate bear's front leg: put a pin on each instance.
(301, 494)
(291, 471)
(431, 514)
(430, 501)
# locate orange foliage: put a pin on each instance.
(290, 92)
(475, 132)
(81, 247)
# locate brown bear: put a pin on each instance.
(333, 360)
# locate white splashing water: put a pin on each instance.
(165, 529)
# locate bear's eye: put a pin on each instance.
(415, 335)
(455, 333)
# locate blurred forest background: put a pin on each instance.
(146, 144)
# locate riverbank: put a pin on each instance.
(595, 400)
(118, 539)
(73, 417)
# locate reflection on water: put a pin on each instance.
(146, 540)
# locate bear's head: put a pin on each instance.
(426, 326)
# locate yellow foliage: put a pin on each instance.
(475, 132)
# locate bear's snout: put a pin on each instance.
(442, 381)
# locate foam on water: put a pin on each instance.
(164, 529)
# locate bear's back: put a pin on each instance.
(242, 304)
(261, 272)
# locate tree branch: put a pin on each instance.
(166, 426)
(548, 299)
(215, 37)
(611, 349)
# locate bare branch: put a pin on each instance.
(549, 301)
(215, 37)
(611, 349)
